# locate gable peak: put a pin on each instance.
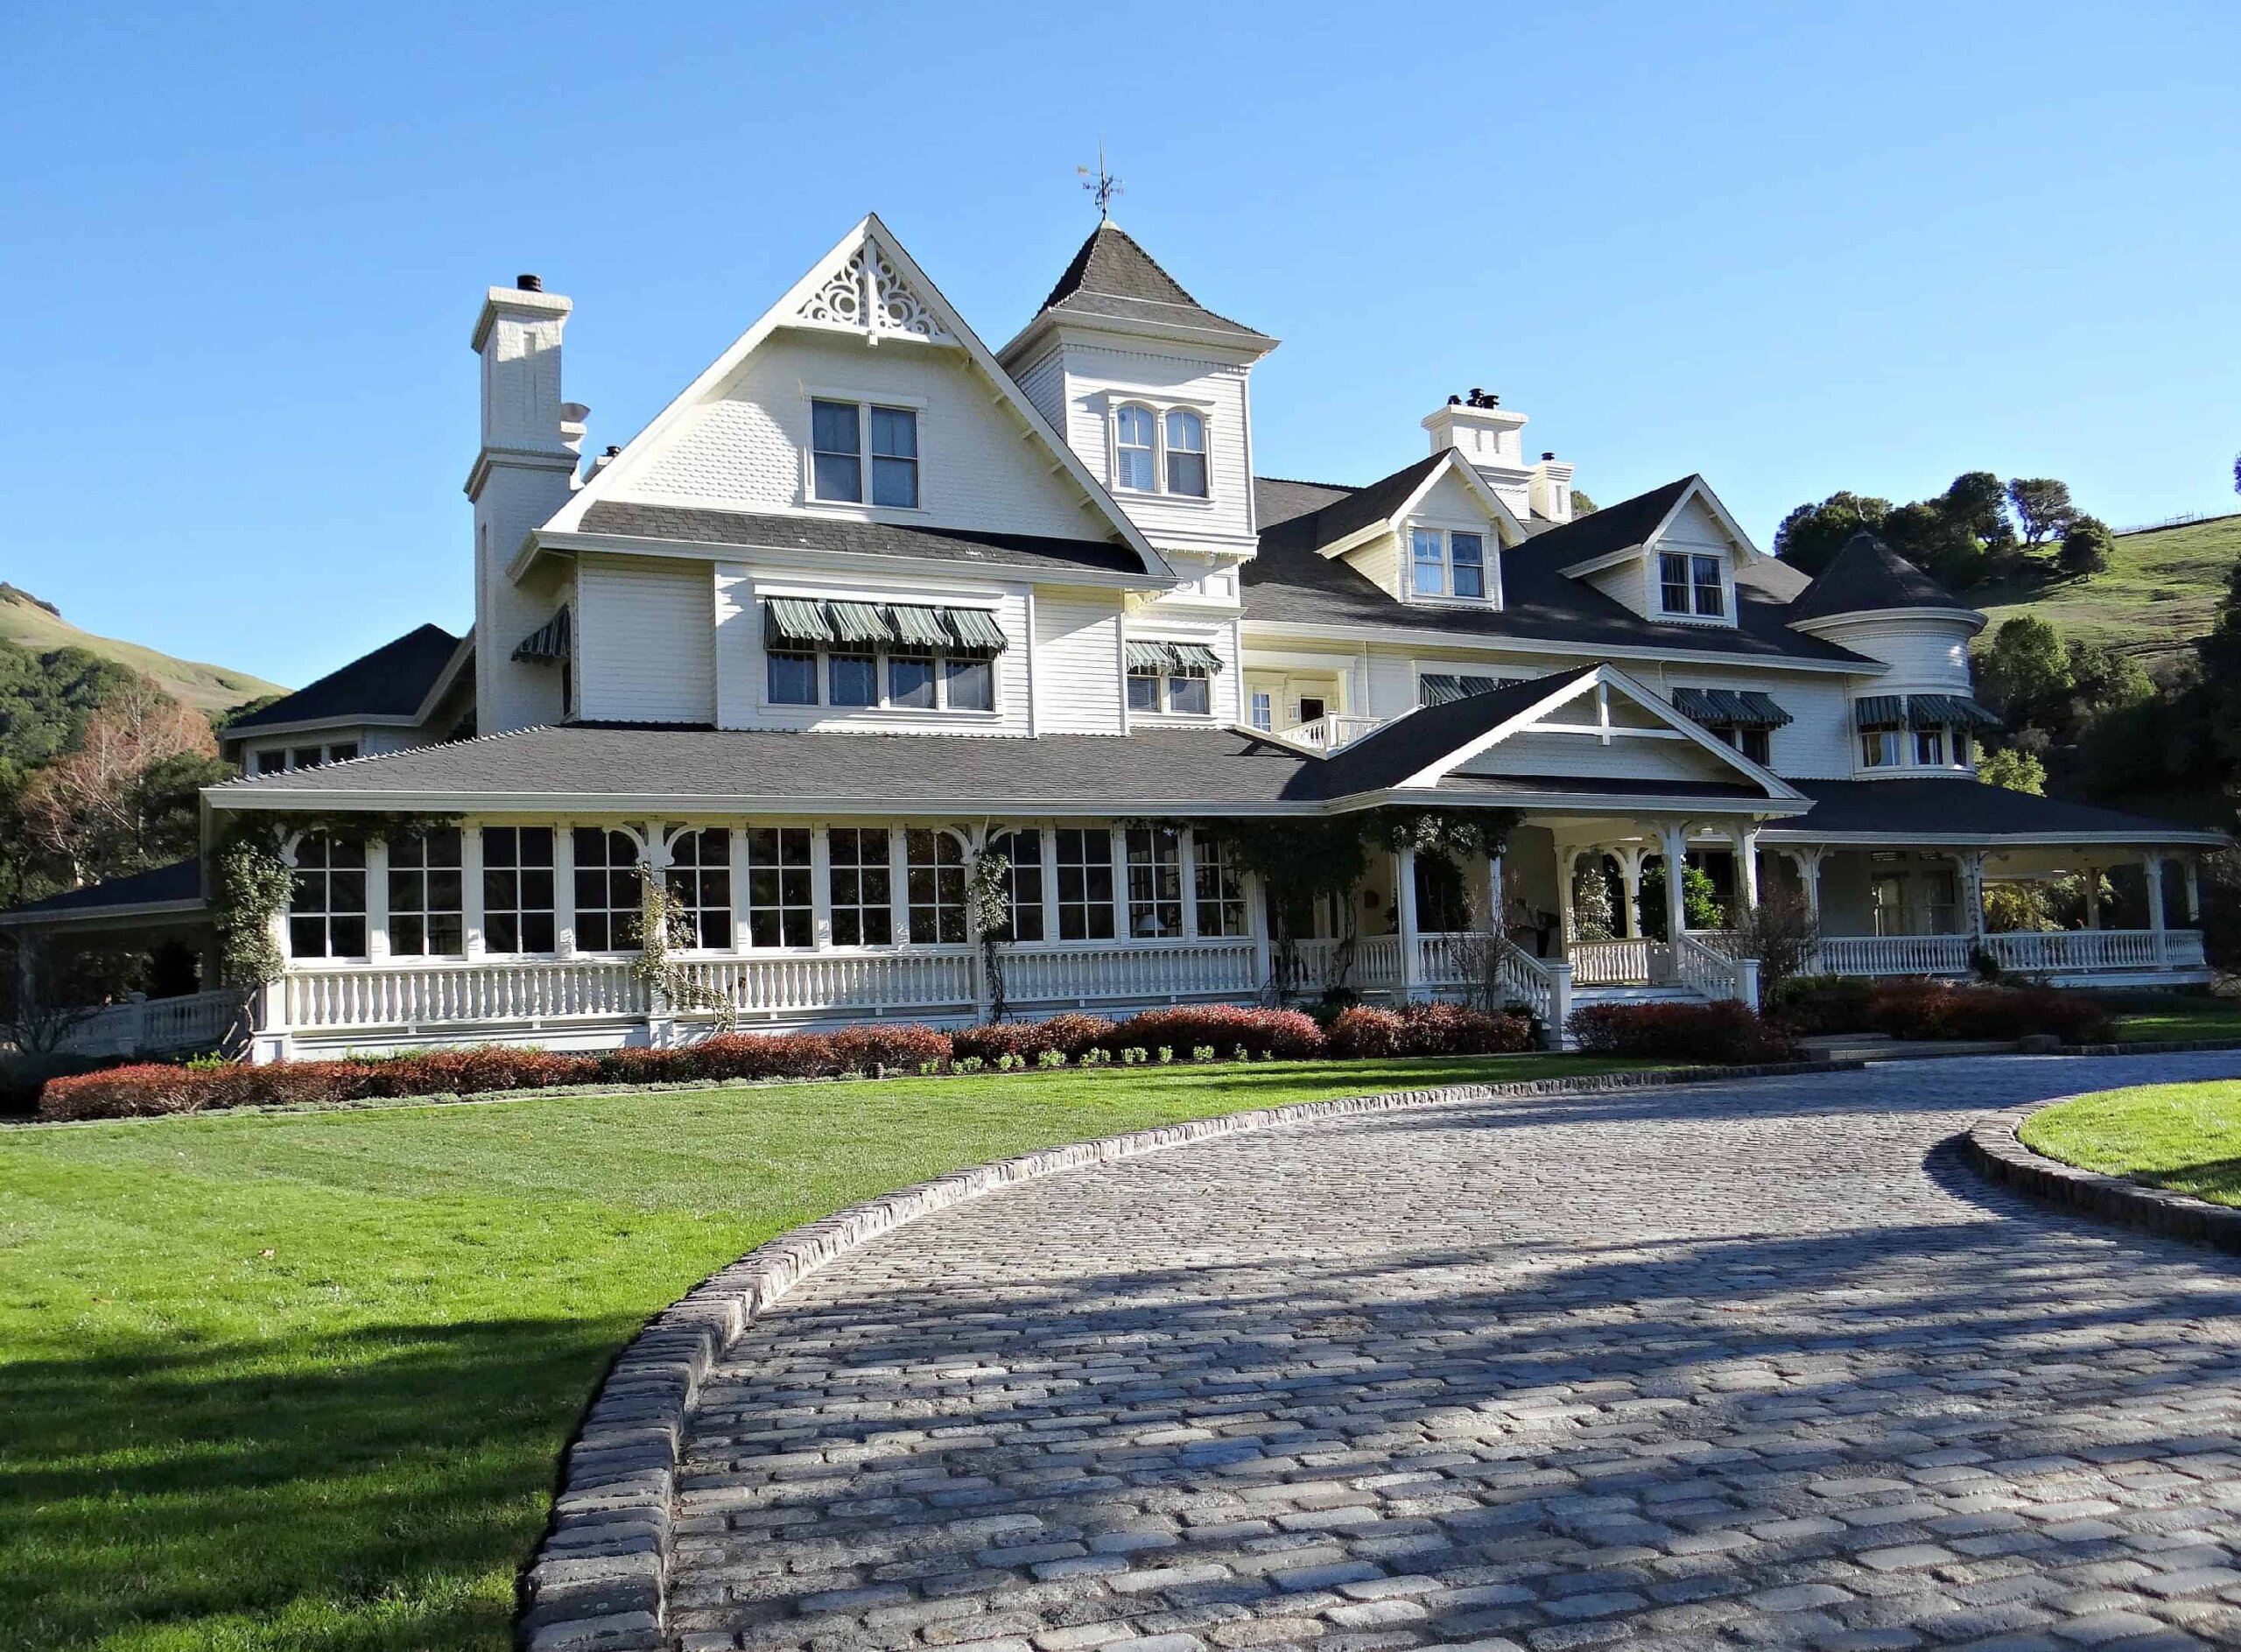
(866, 291)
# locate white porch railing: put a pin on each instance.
(316, 996)
(1618, 962)
(2054, 953)
(1703, 967)
(872, 983)
(1184, 969)
(158, 1026)
(1332, 730)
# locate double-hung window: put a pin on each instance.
(700, 884)
(1930, 748)
(793, 678)
(1133, 435)
(426, 915)
(1690, 584)
(1186, 453)
(1185, 689)
(1155, 882)
(1428, 561)
(1879, 748)
(1468, 554)
(518, 888)
(1754, 743)
(1085, 861)
(1444, 563)
(326, 904)
(862, 885)
(837, 431)
(607, 894)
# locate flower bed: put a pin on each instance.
(1719, 1032)
(1215, 1032)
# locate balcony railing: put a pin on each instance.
(2021, 951)
(160, 1026)
(1332, 730)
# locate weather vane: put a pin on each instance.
(1101, 184)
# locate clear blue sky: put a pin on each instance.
(1797, 248)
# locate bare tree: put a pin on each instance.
(86, 807)
(1782, 933)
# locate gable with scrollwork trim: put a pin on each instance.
(866, 294)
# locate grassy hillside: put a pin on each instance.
(2156, 599)
(24, 622)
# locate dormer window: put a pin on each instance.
(837, 454)
(1690, 585)
(1186, 453)
(1447, 562)
(1133, 434)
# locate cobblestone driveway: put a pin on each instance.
(1738, 1366)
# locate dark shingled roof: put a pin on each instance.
(1112, 275)
(1276, 499)
(1290, 580)
(746, 530)
(1868, 577)
(878, 772)
(1407, 745)
(181, 881)
(1619, 527)
(390, 682)
(1931, 810)
(1365, 506)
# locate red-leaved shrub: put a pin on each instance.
(1916, 1008)
(1285, 1034)
(1426, 1029)
(891, 1049)
(1727, 1031)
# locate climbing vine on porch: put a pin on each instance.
(988, 910)
(251, 879)
(666, 928)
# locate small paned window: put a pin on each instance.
(1264, 710)
(862, 885)
(1144, 691)
(607, 894)
(343, 751)
(1133, 434)
(1220, 889)
(426, 913)
(1023, 882)
(1879, 748)
(1964, 748)
(793, 679)
(895, 457)
(969, 682)
(1753, 743)
(778, 906)
(1930, 748)
(1186, 453)
(1672, 582)
(1429, 560)
(326, 903)
(1155, 882)
(911, 681)
(700, 884)
(1709, 599)
(1085, 860)
(836, 452)
(1469, 552)
(853, 679)
(935, 861)
(1190, 692)
(272, 762)
(308, 757)
(518, 888)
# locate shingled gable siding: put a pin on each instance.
(1097, 379)
(646, 639)
(743, 450)
(1077, 663)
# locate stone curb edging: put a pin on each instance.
(1996, 1150)
(2150, 1047)
(598, 1581)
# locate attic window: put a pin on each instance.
(1445, 562)
(1690, 585)
(837, 454)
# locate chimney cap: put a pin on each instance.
(1547, 455)
(1455, 401)
(528, 283)
(611, 450)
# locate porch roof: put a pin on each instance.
(172, 890)
(1966, 812)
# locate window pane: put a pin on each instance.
(1264, 711)
(343, 751)
(1429, 558)
(1709, 597)
(1186, 474)
(607, 895)
(1929, 746)
(307, 757)
(1672, 582)
(1084, 885)
(835, 443)
(793, 679)
(1132, 433)
(1186, 432)
(970, 684)
(1155, 882)
(910, 680)
(936, 882)
(895, 481)
(1190, 694)
(778, 910)
(863, 909)
(1220, 891)
(1025, 882)
(700, 883)
(1469, 553)
(272, 762)
(895, 433)
(1757, 745)
(855, 679)
(1143, 691)
(518, 888)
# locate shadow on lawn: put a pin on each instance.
(247, 1472)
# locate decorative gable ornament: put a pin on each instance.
(868, 295)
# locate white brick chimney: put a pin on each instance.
(1487, 433)
(525, 472)
(1551, 488)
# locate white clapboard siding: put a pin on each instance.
(646, 640)
(1078, 664)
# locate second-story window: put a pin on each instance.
(1690, 585)
(895, 457)
(1186, 453)
(1133, 436)
(1468, 552)
(1429, 560)
(836, 452)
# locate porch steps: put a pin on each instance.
(1881, 1046)
(1636, 992)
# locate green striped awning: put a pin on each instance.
(793, 621)
(1879, 711)
(549, 641)
(1730, 707)
(1442, 688)
(1935, 710)
(1146, 657)
(1180, 659)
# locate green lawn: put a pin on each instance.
(2186, 1137)
(301, 1380)
(2174, 1017)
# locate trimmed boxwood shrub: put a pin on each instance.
(1727, 1031)
(1426, 1029)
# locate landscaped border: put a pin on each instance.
(1994, 1144)
(599, 1579)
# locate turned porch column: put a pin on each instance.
(1404, 896)
(2151, 864)
(1676, 841)
(1746, 868)
(1629, 857)
(1970, 866)
(1567, 923)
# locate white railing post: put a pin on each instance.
(1560, 1003)
(1746, 981)
(1404, 894)
(2151, 866)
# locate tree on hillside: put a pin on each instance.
(2087, 546)
(2014, 770)
(2022, 669)
(1810, 536)
(2042, 505)
(45, 699)
(97, 810)
(1976, 504)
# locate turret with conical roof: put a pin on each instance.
(1868, 577)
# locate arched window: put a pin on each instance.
(1186, 453)
(1132, 434)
